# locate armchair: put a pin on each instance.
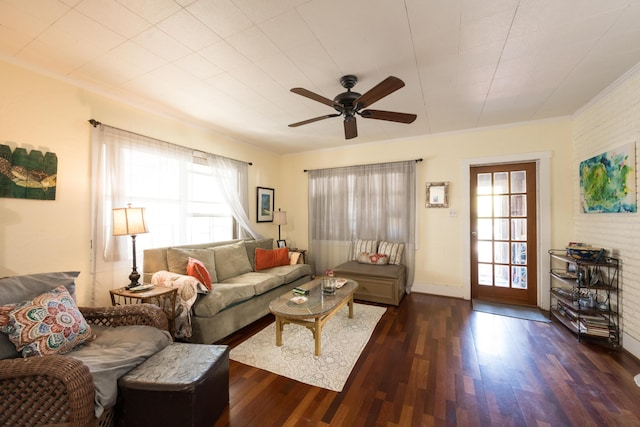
(57, 390)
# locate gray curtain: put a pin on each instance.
(374, 202)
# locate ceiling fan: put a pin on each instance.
(349, 104)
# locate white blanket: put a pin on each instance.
(188, 290)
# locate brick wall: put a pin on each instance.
(609, 121)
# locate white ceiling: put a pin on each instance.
(229, 64)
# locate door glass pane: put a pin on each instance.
(518, 253)
(519, 275)
(484, 229)
(485, 274)
(519, 182)
(501, 184)
(501, 206)
(484, 206)
(484, 252)
(502, 276)
(519, 205)
(519, 229)
(501, 254)
(484, 183)
(501, 229)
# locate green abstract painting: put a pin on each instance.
(608, 181)
(28, 174)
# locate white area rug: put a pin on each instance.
(342, 342)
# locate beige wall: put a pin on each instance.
(441, 255)
(37, 112)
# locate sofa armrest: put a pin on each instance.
(124, 315)
(46, 390)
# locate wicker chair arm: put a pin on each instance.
(124, 315)
(52, 390)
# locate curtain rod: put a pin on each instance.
(96, 123)
(369, 164)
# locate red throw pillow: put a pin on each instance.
(196, 268)
(269, 258)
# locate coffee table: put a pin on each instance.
(313, 313)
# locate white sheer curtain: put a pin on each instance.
(146, 172)
(361, 202)
(231, 177)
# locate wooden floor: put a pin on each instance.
(434, 361)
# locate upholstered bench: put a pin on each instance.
(182, 385)
(377, 283)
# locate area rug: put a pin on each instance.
(520, 312)
(343, 340)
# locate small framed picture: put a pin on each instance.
(437, 195)
(265, 204)
(282, 243)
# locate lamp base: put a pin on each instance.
(134, 277)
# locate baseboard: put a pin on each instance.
(435, 289)
(631, 345)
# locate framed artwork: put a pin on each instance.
(28, 174)
(437, 195)
(608, 181)
(282, 243)
(265, 204)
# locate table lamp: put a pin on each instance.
(280, 218)
(130, 222)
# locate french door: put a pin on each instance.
(503, 233)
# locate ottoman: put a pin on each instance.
(182, 385)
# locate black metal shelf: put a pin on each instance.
(573, 279)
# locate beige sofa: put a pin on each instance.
(239, 294)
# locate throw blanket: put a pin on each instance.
(188, 289)
(113, 353)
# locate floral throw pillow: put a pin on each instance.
(49, 324)
(378, 259)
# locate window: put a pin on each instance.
(188, 198)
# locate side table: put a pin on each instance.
(301, 257)
(162, 294)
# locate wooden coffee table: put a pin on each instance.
(313, 313)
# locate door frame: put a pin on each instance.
(542, 160)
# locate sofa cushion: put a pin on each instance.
(20, 288)
(178, 259)
(231, 261)
(289, 273)
(48, 324)
(222, 295)
(252, 245)
(360, 246)
(113, 353)
(195, 268)
(353, 267)
(393, 250)
(268, 258)
(261, 282)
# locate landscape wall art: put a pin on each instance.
(608, 181)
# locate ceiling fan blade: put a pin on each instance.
(311, 95)
(350, 128)
(315, 119)
(391, 116)
(382, 89)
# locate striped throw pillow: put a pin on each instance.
(393, 250)
(360, 246)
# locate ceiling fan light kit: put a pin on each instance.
(349, 104)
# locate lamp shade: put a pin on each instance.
(129, 221)
(280, 217)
